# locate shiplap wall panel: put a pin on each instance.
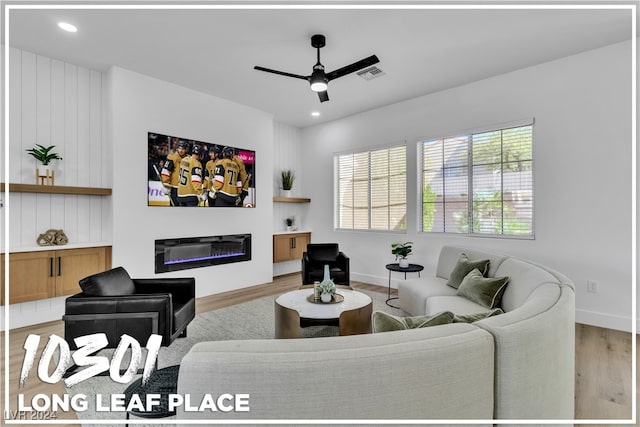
(57, 116)
(56, 103)
(43, 217)
(95, 129)
(95, 218)
(15, 105)
(43, 101)
(71, 217)
(83, 144)
(70, 124)
(28, 122)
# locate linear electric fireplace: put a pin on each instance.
(194, 252)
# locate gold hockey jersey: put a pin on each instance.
(190, 183)
(171, 170)
(227, 178)
(243, 173)
(209, 173)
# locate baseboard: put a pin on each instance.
(605, 320)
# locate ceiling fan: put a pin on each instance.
(319, 79)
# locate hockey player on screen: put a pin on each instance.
(228, 180)
(244, 176)
(171, 171)
(209, 171)
(190, 182)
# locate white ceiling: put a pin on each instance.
(214, 50)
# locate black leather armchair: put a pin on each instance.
(315, 258)
(114, 304)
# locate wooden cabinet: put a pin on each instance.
(288, 247)
(53, 273)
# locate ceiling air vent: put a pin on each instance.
(371, 73)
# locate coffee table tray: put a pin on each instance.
(335, 298)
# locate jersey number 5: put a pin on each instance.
(183, 176)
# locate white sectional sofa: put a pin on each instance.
(534, 338)
(517, 365)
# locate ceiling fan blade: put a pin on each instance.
(356, 66)
(324, 96)
(282, 73)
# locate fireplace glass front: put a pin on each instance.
(193, 252)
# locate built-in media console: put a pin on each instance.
(193, 252)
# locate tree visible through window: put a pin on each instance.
(479, 184)
(372, 189)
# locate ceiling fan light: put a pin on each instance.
(319, 86)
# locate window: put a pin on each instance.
(372, 189)
(479, 184)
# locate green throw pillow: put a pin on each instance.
(384, 322)
(486, 291)
(470, 318)
(463, 267)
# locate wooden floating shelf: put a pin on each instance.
(291, 199)
(55, 189)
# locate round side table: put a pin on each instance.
(412, 268)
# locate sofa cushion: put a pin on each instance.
(108, 283)
(385, 322)
(474, 317)
(456, 304)
(414, 292)
(464, 266)
(449, 256)
(486, 291)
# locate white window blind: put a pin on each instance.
(372, 189)
(479, 184)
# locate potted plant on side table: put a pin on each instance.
(401, 251)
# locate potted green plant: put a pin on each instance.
(44, 155)
(286, 180)
(289, 222)
(326, 289)
(402, 251)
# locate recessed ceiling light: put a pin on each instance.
(67, 27)
(315, 114)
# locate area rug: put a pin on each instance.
(249, 320)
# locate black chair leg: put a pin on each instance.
(183, 334)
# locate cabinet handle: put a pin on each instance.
(293, 243)
(50, 266)
(59, 266)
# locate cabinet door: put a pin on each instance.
(281, 248)
(31, 276)
(71, 265)
(300, 242)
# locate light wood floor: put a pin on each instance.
(603, 357)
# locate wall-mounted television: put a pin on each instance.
(183, 172)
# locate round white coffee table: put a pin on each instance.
(292, 310)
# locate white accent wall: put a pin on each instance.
(583, 168)
(61, 104)
(140, 104)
